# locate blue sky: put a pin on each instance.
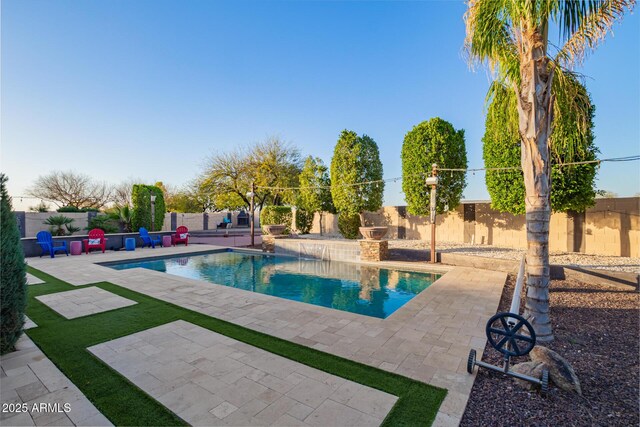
(149, 89)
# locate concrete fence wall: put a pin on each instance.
(611, 227)
(30, 223)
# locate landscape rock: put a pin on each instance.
(531, 369)
(560, 370)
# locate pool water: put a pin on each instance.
(370, 291)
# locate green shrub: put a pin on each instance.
(349, 225)
(433, 141)
(104, 223)
(356, 159)
(572, 187)
(273, 215)
(304, 221)
(13, 279)
(74, 209)
(60, 225)
(141, 215)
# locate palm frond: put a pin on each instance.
(573, 114)
(489, 38)
(585, 24)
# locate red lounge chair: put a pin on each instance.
(96, 240)
(181, 236)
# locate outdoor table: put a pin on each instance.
(166, 241)
(130, 243)
(76, 247)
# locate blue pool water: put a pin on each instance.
(366, 290)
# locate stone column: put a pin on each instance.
(268, 243)
(374, 250)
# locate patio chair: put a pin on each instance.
(148, 240)
(96, 240)
(45, 240)
(181, 236)
(226, 223)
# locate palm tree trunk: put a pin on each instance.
(535, 109)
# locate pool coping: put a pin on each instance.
(428, 339)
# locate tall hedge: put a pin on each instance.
(356, 159)
(13, 277)
(304, 220)
(349, 225)
(433, 141)
(141, 214)
(274, 215)
(572, 187)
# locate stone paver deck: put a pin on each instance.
(28, 376)
(84, 302)
(209, 379)
(33, 280)
(428, 339)
(28, 323)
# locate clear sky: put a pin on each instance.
(148, 89)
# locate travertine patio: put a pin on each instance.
(428, 339)
(29, 377)
(83, 302)
(209, 379)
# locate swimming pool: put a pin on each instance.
(366, 290)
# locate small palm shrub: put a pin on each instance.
(60, 225)
(123, 215)
(104, 223)
(13, 279)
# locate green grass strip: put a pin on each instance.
(65, 343)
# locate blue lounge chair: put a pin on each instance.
(148, 240)
(44, 239)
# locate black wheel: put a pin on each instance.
(471, 361)
(510, 334)
(544, 385)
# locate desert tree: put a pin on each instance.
(68, 188)
(315, 188)
(272, 166)
(512, 38)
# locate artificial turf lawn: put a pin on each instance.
(65, 343)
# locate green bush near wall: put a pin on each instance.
(141, 215)
(72, 209)
(304, 221)
(272, 215)
(349, 225)
(104, 223)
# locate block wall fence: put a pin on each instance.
(611, 227)
(30, 223)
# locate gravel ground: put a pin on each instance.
(415, 250)
(596, 330)
(631, 265)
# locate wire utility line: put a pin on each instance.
(444, 169)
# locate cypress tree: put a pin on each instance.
(13, 277)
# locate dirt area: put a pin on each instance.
(596, 329)
(612, 263)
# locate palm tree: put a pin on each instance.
(511, 37)
(61, 225)
(123, 215)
